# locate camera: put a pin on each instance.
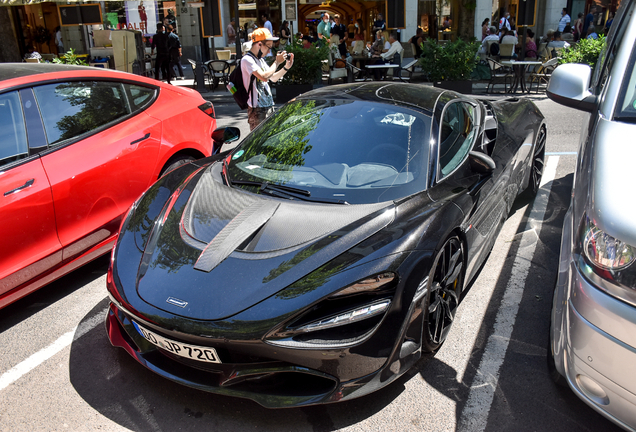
(287, 56)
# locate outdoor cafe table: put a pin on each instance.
(386, 66)
(520, 68)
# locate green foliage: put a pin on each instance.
(307, 68)
(70, 58)
(453, 61)
(585, 51)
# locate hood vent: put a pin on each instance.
(240, 229)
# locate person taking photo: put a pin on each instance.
(260, 101)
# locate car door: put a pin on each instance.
(102, 155)
(29, 243)
(479, 195)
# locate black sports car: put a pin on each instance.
(319, 259)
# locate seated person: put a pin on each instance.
(492, 36)
(558, 42)
(378, 45)
(591, 32)
(387, 57)
(508, 37)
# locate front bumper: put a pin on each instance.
(594, 343)
(270, 382)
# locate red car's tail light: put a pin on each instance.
(208, 108)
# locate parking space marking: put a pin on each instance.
(26, 366)
(475, 414)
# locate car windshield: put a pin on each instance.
(355, 151)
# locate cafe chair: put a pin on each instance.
(358, 47)
(499, 74)
(219, 73)
(543, 74)
(336, 72)
(206, 73)
(506, 51)
(223, 54)
(409, 68)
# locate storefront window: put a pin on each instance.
(252, 11)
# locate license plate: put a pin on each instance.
(193, 352)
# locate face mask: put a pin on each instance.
(356, 25)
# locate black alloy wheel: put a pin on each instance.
(537, 164)
(446, 283)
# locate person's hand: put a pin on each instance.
(280, 57)
(290, 61)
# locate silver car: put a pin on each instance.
(593, 329)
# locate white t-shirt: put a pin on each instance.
(387, 45)
(261, 96)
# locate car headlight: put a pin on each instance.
(606, 261)
(346, 317)
(605, 251)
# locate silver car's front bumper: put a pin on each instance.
(593, 338)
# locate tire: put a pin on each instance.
(555, 376)
(446, 282)
(175, 162)
(537, 164)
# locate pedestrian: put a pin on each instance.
(565, 20)
(58, 40)
(589, 20)
(504, 22)
(324, 30)
(340, 30)
(162, 62)
(379, 24)
(417, 41)
(170, 19)
(260, 102)
(267, 23)
(230, 32)
(285, 33)
(174, 49)
(577, 31)
(485, 28)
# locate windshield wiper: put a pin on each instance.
(287, 191)
(267, 185)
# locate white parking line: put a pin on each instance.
(475, 413)
(44, 354)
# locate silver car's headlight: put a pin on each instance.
(605, 251)
(605, 261)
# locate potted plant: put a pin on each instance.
(306, 71)
(449, 66)
(586, 51)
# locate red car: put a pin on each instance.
(78, 145)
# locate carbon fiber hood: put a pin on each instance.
(223, 249)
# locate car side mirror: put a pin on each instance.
(224, 135)
(570, 86)
(481, 162)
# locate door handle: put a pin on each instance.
(19, 188)
(140, 139)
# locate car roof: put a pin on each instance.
(16, 74)
(420, 97)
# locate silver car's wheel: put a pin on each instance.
(537, 164)
(446, 282)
